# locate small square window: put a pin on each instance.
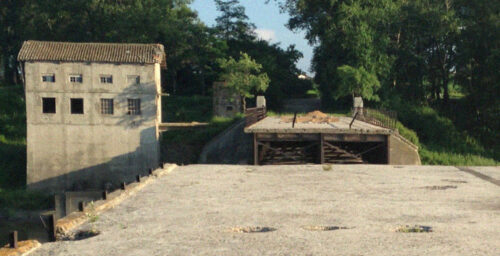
(49, 78)
(76, 106)
(106, 79)
(49, 105)
(134, 106)
(76, 78)
(107, 106)
(133, 80)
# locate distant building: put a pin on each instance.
(226, 101)
(93, 111)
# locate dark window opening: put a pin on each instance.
(76, 106)
(229, 108)
(107, 106)
(76, 78)
(49, 105)
(107, 79)
(134, 106)
(49, 78)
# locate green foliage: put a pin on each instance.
(20, 199)
(440, 141)
(244, 76)
(233, 22)
(187, 109)
(356, 82)
(12, 138)
(185, 146)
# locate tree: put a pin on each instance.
(357, 82)
(233, 23)
(244, 76)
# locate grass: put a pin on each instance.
(441, 143)
(187, 109)
(185, 146)
(13, 195)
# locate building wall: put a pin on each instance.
(226, 102)
(80, 151)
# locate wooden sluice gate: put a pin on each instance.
(279, 140)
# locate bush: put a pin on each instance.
(23, 200)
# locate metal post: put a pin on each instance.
(105, 195)
(13, 239)
(138, 178)
(294, 119)
(123, 185)
(150, 171)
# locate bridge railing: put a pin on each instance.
(253, 115)
(379, 117)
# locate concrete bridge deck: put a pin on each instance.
(273, 124)
(192, 211)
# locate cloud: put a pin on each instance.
(266, 34)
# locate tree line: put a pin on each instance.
(407, 52)
(193, 48)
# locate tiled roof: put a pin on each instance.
(92, 52)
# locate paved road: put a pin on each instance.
(192, 210)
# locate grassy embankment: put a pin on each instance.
(184, 146)
(13, 195)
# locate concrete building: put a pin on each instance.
(226, 101)
(93, 111)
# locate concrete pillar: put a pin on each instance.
(358, 106)
(261, 101)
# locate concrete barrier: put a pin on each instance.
(65, 225)
(23, 248)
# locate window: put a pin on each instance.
(134, 80)
(49, 78)
(107, 106)
(76, 78)
(49, 105)
(229, 108)
(76, 106)
(134, 106)
(106, 79)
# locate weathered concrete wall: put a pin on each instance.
(81, 151)
(402, 152)
(233, 146)
(226, 102)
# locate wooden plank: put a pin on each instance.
(288, 136)
(356, 137)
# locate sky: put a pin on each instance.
(270, 25)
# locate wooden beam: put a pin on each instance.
(322, 149)
(255, 150)
(288, 136)
(356, 137)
